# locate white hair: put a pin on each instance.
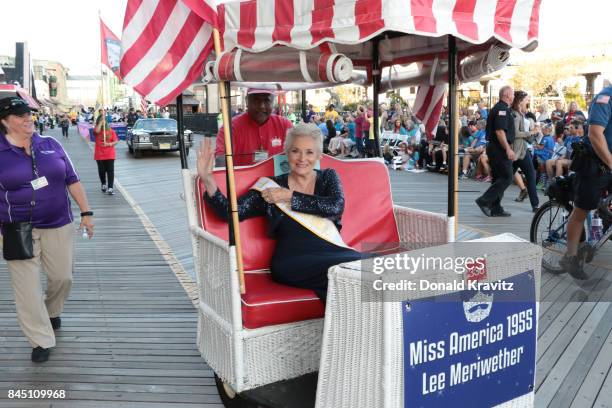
(304, 130)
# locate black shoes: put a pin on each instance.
(56, 322)
(535, 209)
(500, 213)
(40, 355)
(572, 265)
(483, 207)
(521, 197)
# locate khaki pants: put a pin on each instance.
(53, 251)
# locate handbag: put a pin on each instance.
(17, 241)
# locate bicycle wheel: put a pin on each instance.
(548, 229)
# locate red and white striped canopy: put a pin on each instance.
(257, 25)
(165, 43)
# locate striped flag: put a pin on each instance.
(428, 106)
(144, 106)
(165, 45)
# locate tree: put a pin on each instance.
(540, 79)
(572, 94)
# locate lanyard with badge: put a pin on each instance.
(38, 182)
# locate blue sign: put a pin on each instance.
(470, 348)
(120, 131)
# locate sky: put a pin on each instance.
(68, 31)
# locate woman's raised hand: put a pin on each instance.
(206, 158)
(206, 163)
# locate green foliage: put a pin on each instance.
(572, 94)
(394, 98)
(350, 107)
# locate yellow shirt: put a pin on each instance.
(331, 115)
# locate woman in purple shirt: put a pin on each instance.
(36, 176)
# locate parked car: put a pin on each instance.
(156, 134)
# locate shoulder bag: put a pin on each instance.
(17, 242)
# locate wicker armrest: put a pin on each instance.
(420, 227)
(213, 269)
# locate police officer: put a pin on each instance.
(592, 179)
(500, 135)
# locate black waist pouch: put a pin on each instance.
(17, 241)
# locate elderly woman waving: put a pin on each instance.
(35, 178)
(303, 208)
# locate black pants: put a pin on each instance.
(501, 172)
(526, 164)
(106, 171)
(424, 157)
(64, 131)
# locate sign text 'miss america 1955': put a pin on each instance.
(470, 348)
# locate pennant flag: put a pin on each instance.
(165, 45)
(110, 47)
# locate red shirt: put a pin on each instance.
(248, 137)
(105, 152)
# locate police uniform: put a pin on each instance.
(593, 180)
(500, 118)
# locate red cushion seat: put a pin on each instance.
(267, 302)
(368, 220)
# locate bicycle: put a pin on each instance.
(549, 226)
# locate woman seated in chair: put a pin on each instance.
(304, 209)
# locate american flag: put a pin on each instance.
(165, 44)
(428, 106)
(144, 106)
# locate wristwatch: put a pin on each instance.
(87, 214)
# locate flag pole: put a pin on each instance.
(234, 236)
(103, 105)
(102, 88)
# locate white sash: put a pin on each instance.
(320, 226)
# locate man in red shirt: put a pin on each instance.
(256, 134)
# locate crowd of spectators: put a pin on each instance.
(548, 137)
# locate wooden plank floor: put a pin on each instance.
(128, 330)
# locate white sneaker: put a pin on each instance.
(103, 188)
(110, 191)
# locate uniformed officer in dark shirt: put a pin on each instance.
(592, 179)
(500, 135)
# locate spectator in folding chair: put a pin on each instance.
(438, 148)
(576, 133)
(475, 149)
(412, 130)
(336, 144)
(398, 128)
(329, 131)
(559, 152)
(573, 113)
(558, 114)
(543, 152)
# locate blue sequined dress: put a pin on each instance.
(300, 258)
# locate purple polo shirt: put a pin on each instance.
(52, 209)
